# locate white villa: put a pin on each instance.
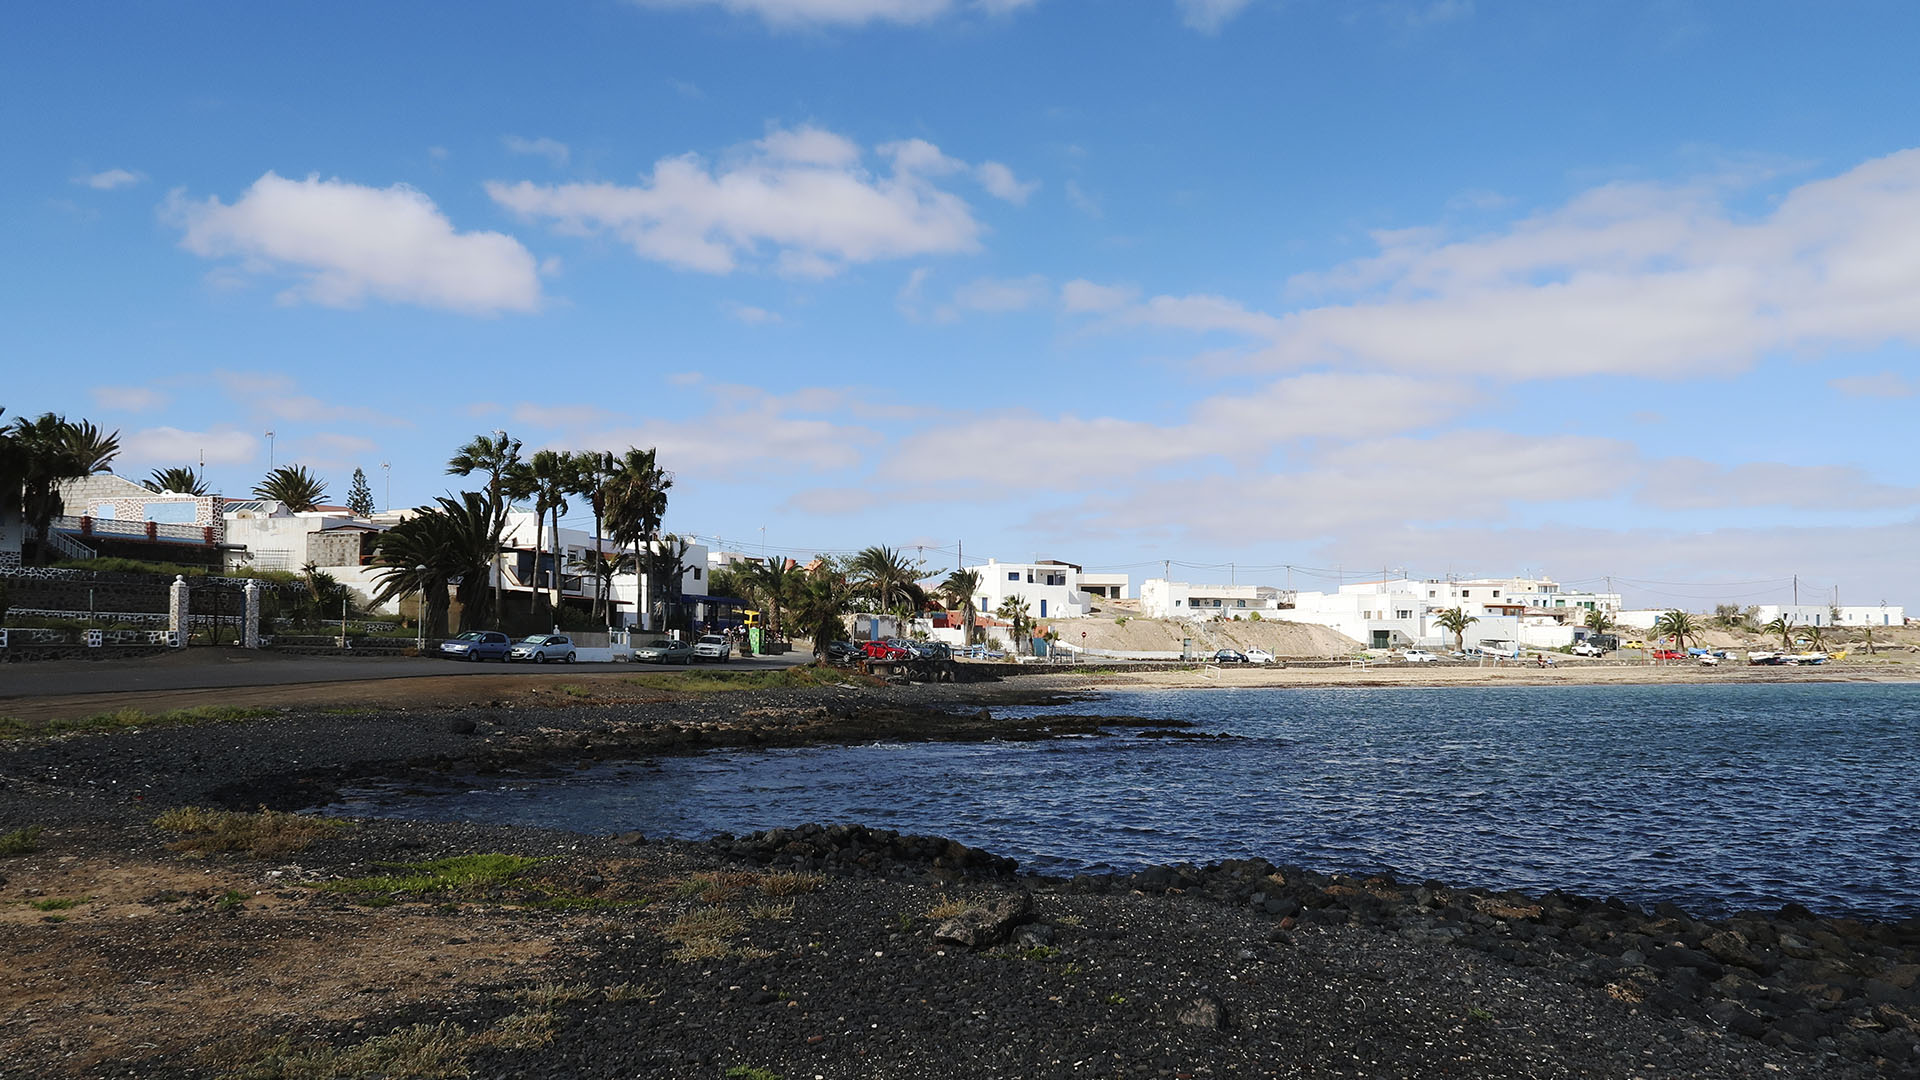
(1051, 588)
(1164, 599)
(1402, 612)
(1824, 615)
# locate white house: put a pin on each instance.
(1164, 599)
(1827, 615)
(522, 570)
(1873, 615)
(1050, 588)
(1399, 612)
(1105, 586)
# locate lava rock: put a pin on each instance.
(986, 924)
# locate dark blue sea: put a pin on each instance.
(1720, 798)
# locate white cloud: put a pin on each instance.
(752, 316)
(279, 397)
(159, 447)
(110, 179)
(1081, 295)
(802, 193)
(560, 416)
(553, 150)
(346, 242)
(1001, 183)
(1885, 384)
(793, 13)
(128, 398)
(1690, 484)
(1624, 279)
(1208, 16)
(1002, 294)
(1078, 198)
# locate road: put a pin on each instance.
(216, 668)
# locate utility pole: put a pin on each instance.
(1796, 590)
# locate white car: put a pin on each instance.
(713, 647)
(1259, 656)
(1588, 648)
(1419, 656)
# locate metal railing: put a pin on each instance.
(66, 545)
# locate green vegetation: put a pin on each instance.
(423, 1051)
(231, 900)
(1479, 1015)
(22, 841)
(629, 991)
(12, 727)
(752, 1072)
(1455, 621)
(57, 903)
(1039, 952)
(1116, 999)
(575, 690)
(458, 875)
(269, 832)
(112, 565)
(1677, 625)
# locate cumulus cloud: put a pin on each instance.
(1208, 16)
(1002, 184)
(1002, 294)
(158, 447)
(752, 316)
(802, 193)
(346, 242)
(279, 397)
(1884, 384)
(110, 179)
(128, 398)
(1691, 484)
(553, 150)
(1637, 279)
(1081, 295)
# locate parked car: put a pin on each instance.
(1229, 656)
(886, 650)
(844, 652)
(1669, 654)
(663, 651)
(478, 645)
(713, 647)
(1259, 656)
(1708, 659)
(931, 650)
(1588, 648)
(541, 648)
(1419, 656)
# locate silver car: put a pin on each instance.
(663, 651)
(713, 647)
(541, 648)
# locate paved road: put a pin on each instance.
(212, 668)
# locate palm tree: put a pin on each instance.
(961, 586)
(1677, 625)
(180, 479)
(452, 540)
(1815, 638)
(664, 562)
(636, 500)
(592, 470)
(498, 459)
(772, 581)
(46, 452)
(1784, 627)
(1598, 621)
(293, 485)
(819, 607)
(884, 572)
(1455, 621)
(603, 567)
(1014, 610)
(546, 478)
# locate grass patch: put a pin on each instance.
(1039, 952)
(789, 883)
(57, 903)
(716, 887)
(752, 1072)
(23, 841)
(438, 878)
(12, 727)
(425, 1051)
(948, 908)
(548, 995)
(771, 910)
(703, 935)
(628, 991)
(574, 690)
(523, 1030)
(269, 832)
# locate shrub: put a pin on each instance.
(23, 841)
(269, 832)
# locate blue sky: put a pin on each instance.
(1451, 285)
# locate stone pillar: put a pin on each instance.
(177, 609)
(252, 622)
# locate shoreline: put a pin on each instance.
(1086, 971)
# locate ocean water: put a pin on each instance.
(1720, 798)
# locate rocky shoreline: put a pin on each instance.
(903, 956)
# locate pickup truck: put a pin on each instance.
(1588, 648)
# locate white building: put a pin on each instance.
(1827, 615)
(1164, 599)
(1104, 586)
(1873, 615)
(1050, 588)
(522, 569)
(1401, 612)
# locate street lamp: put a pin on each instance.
(269, 451)
(421, 570)
(386, 470)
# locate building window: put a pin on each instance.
(696, 573)
(1013, 575)
(1466, 592)
(1403, 614)
(1496, 594)
(1176, 603)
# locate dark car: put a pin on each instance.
(1228, 656)
(477, 645)
(844, 652)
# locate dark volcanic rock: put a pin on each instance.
(986, 924)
